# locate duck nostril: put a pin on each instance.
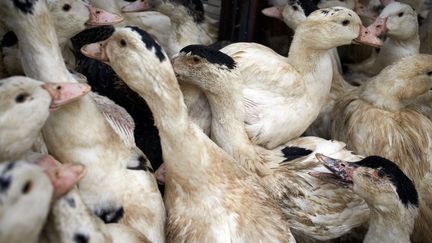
(59, 87)
(97, 12)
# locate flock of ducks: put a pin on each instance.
(239, 135)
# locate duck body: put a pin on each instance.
(285, 91)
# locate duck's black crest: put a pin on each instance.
(404, 186)
(149, 42)
(194, 8)
(25, 6)
(81, 238)
(9, 39)
(307, 5)
(211, 55)
(292, 153)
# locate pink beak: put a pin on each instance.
(274, 12)
(160, 174)
(63, 177)
(101, 17)
(137, 6)
(368, 38)
(65, 93)
(96, 51)
(378, 27)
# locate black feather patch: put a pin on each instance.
(80, 238)
(307, 6)
(70, 201)
(25, 6)
(9, 39)
(292, 153)
(149, 42)
(404, 186)
(142, 165)
(211, 55)
(194, 8)
(111, 215)
(5, 182)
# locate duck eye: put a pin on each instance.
(295, 8)
(66, 7)
(345, 22)
(123, 43)
(400, 14)
(27, 187)
(196, 59)
(429, 73)
(21, 97)
(381, 173)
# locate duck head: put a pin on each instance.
(127, 49)
(204, 67)
(293, 13)
(332, 27)
(72, 16)
(25, 104)
(397, 20)
(379, 181)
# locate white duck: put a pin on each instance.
(229, 204)
(399, 22)
(69, 17)
(119, 184)
(375, 120)
(283, 97)
(389, 193)
(25, 195)
(25, 105)
(284, 171)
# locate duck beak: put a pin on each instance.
(100, 17)
(137, 6)
(363, 11)
(96, 51)
(342, 169)
(160, 174)
(378, 27)
(65, 93)
(367, 38)
(63, 177)
(274, 12)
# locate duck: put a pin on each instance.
(27, 103)
(70, 17)
(293, 14)
(189, 25)
(284, 171)
(297, 84)
(106, 82)
(229, 203)
(119, 184)
(26, 187)
(390, 194)
(389, 127)
(69, 219)
(398, 21)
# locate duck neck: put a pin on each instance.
(76, 126)
(41, 49)
(228, 129)
(394, 49)
(382, 93)
(391, 225)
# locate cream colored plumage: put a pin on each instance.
(118, 177)
(284, 96)
(228, 203)
(375, 120)
(285, 171)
